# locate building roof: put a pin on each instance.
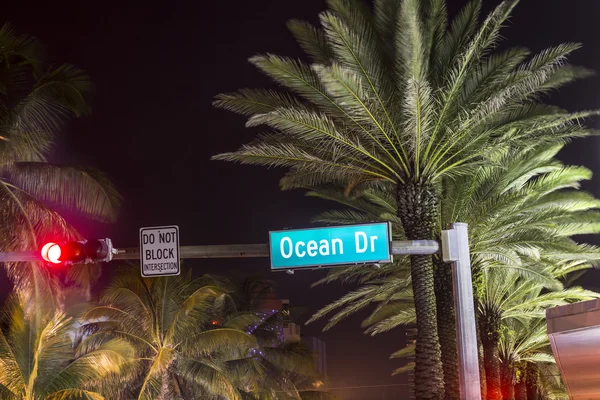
(574, 332)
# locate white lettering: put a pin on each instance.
(298, 253)
(339, 242)
(373, 239)
(324, 248)
(359, 248)
(282, 249)
(311, 248)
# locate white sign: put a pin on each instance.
(159, 251)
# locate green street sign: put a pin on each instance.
(340, 245)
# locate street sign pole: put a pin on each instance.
(455, 249)
(399, 247)
(259, 250)
(210, 251)
(20, 256)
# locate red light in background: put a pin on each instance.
(51, 252)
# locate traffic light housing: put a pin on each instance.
(78, 252)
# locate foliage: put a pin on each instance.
(521, 212)
(179, 351)
(399, 100)
(36, 100)
(38, 359)
(191, 341)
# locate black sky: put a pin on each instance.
(157, 67)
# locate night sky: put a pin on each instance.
(157, 67)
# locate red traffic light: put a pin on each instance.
(51, 252)
(75, 252)
(64, 252)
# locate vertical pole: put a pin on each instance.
(455, 249)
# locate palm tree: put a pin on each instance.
(509, 299)
(520, 217)
(184, 347)
(192, 340)
(522, 346)
(40, 361)
(398, 98)
(546, 384)
(36, 100)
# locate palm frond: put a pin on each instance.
(88, 192)
(412, 50)
(255, 101)
(75, 394)
(461, 31)
(402, 370)
(312, 40)
(59, 93)
(209, 376)
(408, 351)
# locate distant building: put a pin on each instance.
(318, 348)
(292, 331)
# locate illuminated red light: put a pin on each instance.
(51, 252)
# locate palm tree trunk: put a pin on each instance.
(508, 381)
(446, 324)
(492, 371)
(521, 388)
(490, 336)
(418, 211)
(480, 356)
(531, 381)
(165, 385)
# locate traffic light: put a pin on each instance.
(78, 252)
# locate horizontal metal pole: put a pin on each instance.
(414, 247)
(212, 251)
(15, 256)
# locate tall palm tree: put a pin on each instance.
(398, 98)
(40, 361)
(36, 100)
(520, 216)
